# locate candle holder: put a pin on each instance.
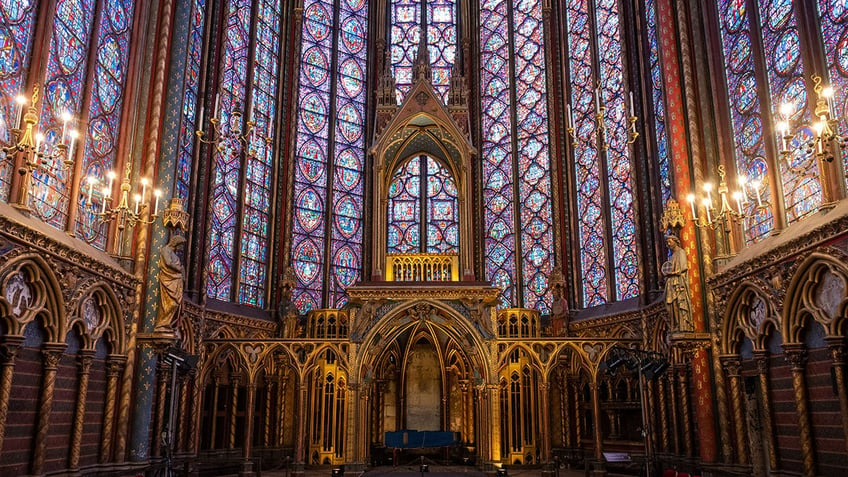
(123, 213)
(723, 212)
(827, 139)
(37, 154)
(600, 127)
(219, 137)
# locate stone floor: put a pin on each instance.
(434, 471)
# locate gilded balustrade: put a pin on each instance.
(422, 267)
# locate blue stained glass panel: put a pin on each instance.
(17, 21)
(735, 28)
(110, 70)
(64, 85)
(404, 37)
(833, 16)
(188, 124)
(226, 169)
(657, 94)
(782, 51)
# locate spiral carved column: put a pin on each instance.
(84, 361)
(596, 416)
(113, 370)
(652, 407)
(231, 441)
(663, 392)
(249, 417)
(269, 398)
(163, 377)
(578, 416)
(8, 352)
(796, 355)
(564, 409)
(836, 346)
(675, 423)
(762, 358)
(196, 405)
(181, 423)
(686, 409)
(52, 353)
(281, 420)
(732, 367)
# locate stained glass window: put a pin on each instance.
(227, 167)
(608, 258)
(657, 88)
(64, 86)
(441, 42)
(782, 50)
(746, 120)
(16, 32)
(430, 225)
(516, 162)
(833, 16)
(769, 34)
(104, 111)
(189, 109)
(260, 158)
(329, 152)
(241, 202)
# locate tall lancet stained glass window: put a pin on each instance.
(328, 178)
(604, 195)
(17, 26)
(406, 17)
(516, 155)
(241, 203)
(85, 76)
(833, 15)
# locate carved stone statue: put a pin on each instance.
(170, 285)
(677, 297)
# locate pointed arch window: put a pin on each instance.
(241, 205)
(329, 152)
(441, 42)
(518, 217)
(657, 95)
(604, 196)
(423, 202)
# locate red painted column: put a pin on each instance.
(676, 118)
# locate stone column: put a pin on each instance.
(216, 380)
(250, 404)
(299, 448)
(578, 413)
(269, 398)
(231, 440)
(762, 358)
(180, 424)
(84, 362)
(836, 346)
(192, 445)
(8, 352)
(564, 410)
(732, 367)
(663, 392)
(685, 409)
(114, 364)
(796, 355)
(596, 417)
(675, 413)
(52, 353)
(164, 378)
(281, 408)
(546, 422)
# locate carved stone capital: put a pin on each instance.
(796, 356)
(51, 354)
(763, 361)
(9, 350)
(84, 359)
(837, 348)
(732, 365)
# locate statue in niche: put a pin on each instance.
(677, 298)
(170, 285)
(287, 313)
